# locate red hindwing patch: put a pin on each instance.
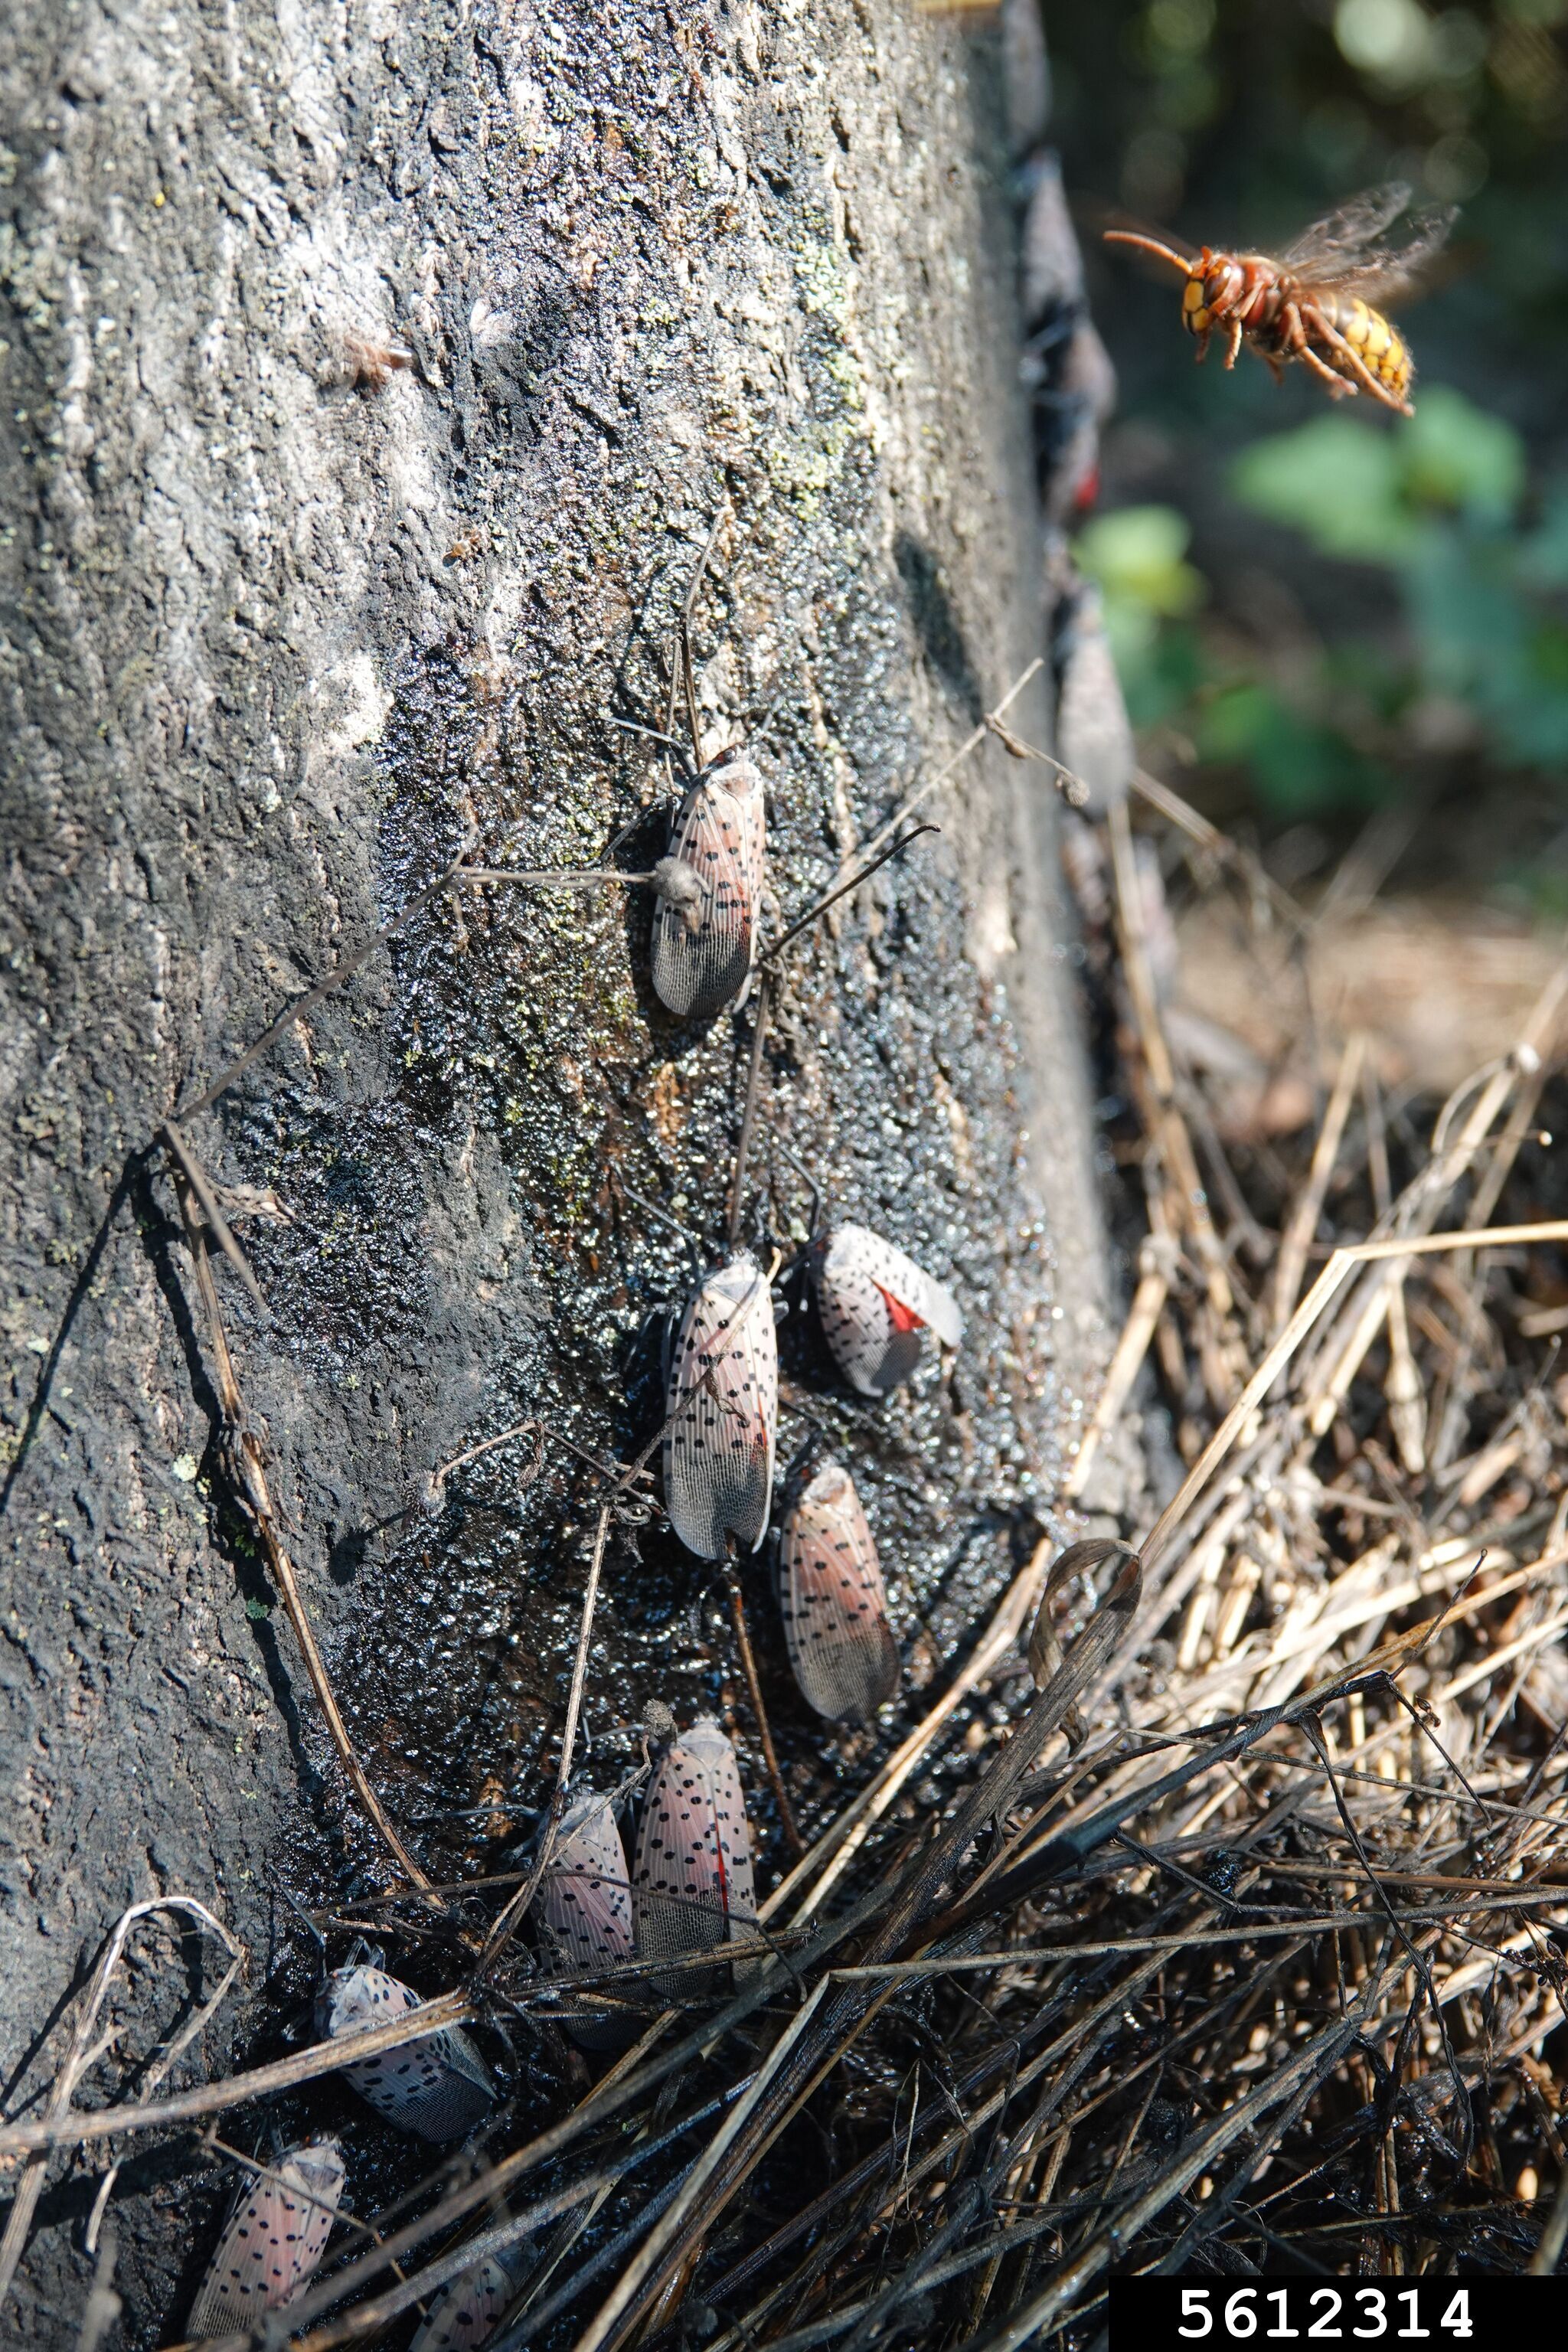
(874, 1301)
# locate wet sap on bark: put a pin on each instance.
(529, 1040)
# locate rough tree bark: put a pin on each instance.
(274, 642)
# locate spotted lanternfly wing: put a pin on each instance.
(692, 1886)
(584, 1909)
(719, 1447)
(1094, 738)
(703, 954)
(834, 1605)
(874, 1302)
(274, 2238)
(438, 2087)
(468, 2312)
(1076, 394)
(1050, 268)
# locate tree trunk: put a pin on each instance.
(286, 622)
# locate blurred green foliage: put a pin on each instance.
(1357, 607)
(1436, 502)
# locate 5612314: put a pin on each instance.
(1148, 2315)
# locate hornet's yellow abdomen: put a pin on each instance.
(1372, 337)
(1306, 305)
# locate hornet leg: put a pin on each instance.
(1339, 384)
(1233, 342)
(1358, 366)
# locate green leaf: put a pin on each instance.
(1297, 766)
(1452, 454)
(1337, 480)
(1544, 552)
(1136, 556)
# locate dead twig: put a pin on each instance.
(83, 2050)
(243, 1454)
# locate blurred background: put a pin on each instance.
(1341, 632)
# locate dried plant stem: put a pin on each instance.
(1403, 1388)
(1170, 1129)
(1317, 2057)
(237, 2090)
(1333, 1384)
(551, 877)
(38, 2138)
(306, 1004)
(195, 1177)
(1302, 1221)
(835, 1849)
(971, 743)
(667, 2227)
(1222, 849)
(1339, 1266)
(767, 983)
(507, 1925)
(244, 1455)
(1153, 1288)
(1418, 1208)
(841, 888)
(758, 1711)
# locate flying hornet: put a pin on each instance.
(1316, 303)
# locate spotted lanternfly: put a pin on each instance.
(874, 1303)
(718, 1445)
(1094, 738)
(692, 1887)
(274, 2238)
(1050, 266)
(834, 1605)
(705, 942)
(467, 2313)
(1070, 409)
(438, 2087)
(584, 1908)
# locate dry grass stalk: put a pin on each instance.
(84, 2050)
(1126, 1363)
(243, 1453)
(1294, 1793)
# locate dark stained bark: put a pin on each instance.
(273, 643)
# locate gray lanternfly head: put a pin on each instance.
(680, 887)
(874, 1303)
(692, 1887)
(1094, 739)
(704, 948)
(721, 1400)
(272, 2241)
(834, 1605)
(584, 1908)
(438, 2087)
(467, 2313)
